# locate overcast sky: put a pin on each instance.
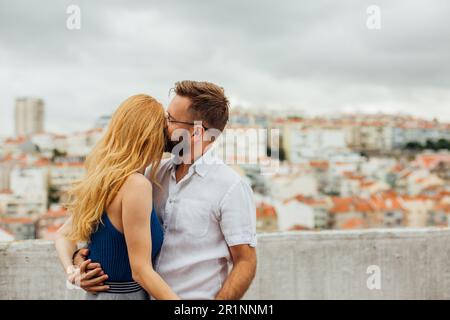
(316, 56)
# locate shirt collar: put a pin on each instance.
(202, 165)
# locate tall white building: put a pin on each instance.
(29, 114)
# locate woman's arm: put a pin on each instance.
(136, 209)
(64, 247)
(88, 275)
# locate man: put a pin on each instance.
(207, 209)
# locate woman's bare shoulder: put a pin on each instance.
(137, 182)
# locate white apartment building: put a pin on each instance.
(377, 167)
(47, 142)
(368, 137)
(62, 176)
(12, 205)
(12, 146)
(21, 228)
(285, 187)
(80, 144)
(418, 211)
(29, 188)
(294, 214)
(243, 145)
(302, 143)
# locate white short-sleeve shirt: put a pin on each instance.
(203, 214)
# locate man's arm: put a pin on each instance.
(91, 276)
(238, 224)
(242, 273)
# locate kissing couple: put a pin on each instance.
(177, 228)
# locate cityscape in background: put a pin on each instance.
(339, 171)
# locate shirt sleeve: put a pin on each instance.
(238, 215)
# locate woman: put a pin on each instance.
(111, 208)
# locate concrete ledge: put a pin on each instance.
(413, 264)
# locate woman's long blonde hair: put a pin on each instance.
(134, 139)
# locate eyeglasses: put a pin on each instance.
(171, 119)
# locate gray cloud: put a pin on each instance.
(317, 56)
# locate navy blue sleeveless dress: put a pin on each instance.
(107, 246)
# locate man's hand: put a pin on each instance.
(91, 276)
(80, 257)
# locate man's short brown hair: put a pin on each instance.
(208, 102)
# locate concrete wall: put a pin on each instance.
(413, 264)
